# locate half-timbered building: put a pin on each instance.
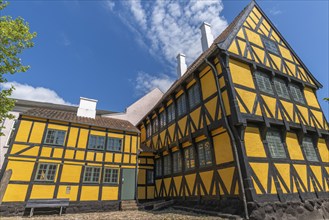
(242, 123)
(80, 156)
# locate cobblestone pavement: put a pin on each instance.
(126, 215)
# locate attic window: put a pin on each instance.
(270, 46)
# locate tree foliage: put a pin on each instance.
(15, 37)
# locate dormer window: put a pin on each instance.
(263, 82)
(270, 46)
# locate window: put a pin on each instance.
(55, 137)
(177, 162)
(181, 105)
(163, 121)
(309, 149)
(96, 142)
(12, 134)
(46, 172)
(189, 158)
(111, 175)
(275, 144)
(171, 113)
(205, 155)
(92, 174)
(114, 144)
(149, 177)
(194, 95)
(270, 46)
(281, 88)
(158, 167)
(148, 130)
(166, 165)
(263, 82)
(155, 125)
(296, 93)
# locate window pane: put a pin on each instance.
(194, 95)
(177, 161)
(111, 175)
(297, 94)
(167, 165)
(202, 158)
(158, 167)
(181, 105)
(55, 137)
(114, 144)
(309, 149)
(275, 145)
(150, 176)
(92, 174)
(271, 46)
(281, 88)
(96, 142)
(264, 83)
(46, 172)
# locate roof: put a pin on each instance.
(67, 116)
(36, 104)
(221, 38)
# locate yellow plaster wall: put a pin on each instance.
(71, 173)
(241, 73)
(72, 195)
(15, 193)
(222, 148)
(89, 193)
(293, 146)
(37, 132)
(110, 193)
(253, 143)
(23, 131)
(42, 192)
(22, 170)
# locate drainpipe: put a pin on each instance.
(231, 136)
(139, 151)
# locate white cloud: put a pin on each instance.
(108, 5)
(167, 28)
(171, 27)
(145, 82)
(27, 92)
(64, 40)
(275, 11)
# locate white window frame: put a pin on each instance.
(111, 175)
(97, 145)
(56, 137)
(92, 174)
(114, 148)
(46, 173)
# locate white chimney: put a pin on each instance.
(87, 108)
(206, 36)
(181, 65)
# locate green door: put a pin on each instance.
(128, 184)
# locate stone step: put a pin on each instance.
(129, 205)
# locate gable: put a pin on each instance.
(258, 40)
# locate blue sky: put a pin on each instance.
(116, 51)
